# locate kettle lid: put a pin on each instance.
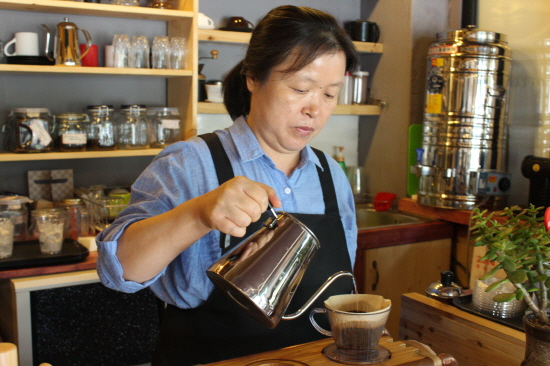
(445, 288)
(472, 34)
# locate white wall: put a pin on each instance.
(528, 29)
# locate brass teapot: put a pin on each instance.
(66, 49)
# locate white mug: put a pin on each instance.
(214, 92)
(26, 44)
(205, 22)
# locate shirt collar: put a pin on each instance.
(249, 148)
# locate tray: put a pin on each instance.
(27, 254)
(465, 303)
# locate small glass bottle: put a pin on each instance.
(360, 87)
(166, 126)
(101, 129)
(74, 207)
(133, 128)
(71, 131)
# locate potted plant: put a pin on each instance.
(518, 241)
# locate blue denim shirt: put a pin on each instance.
(185, 170)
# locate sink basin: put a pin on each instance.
(368, 219)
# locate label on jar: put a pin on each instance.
(38, 129)
(73, 139)
(171, 124)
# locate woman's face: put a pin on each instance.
(288, 110)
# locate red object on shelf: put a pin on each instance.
(383, 201)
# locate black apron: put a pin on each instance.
(220, 329)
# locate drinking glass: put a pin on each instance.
(178, 53)
(121, 50)
(161, 52)
(139, 57)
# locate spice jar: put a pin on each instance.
(30, 130)
(133, 128)
(101, 128)
(71, 131)
(15, 208)
(166, 126)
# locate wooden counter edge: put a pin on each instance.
(88, 263)
(481, 324)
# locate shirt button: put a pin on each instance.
(288, 190)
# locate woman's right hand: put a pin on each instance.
(234, 205)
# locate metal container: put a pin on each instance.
(262, 273)
(465, 133)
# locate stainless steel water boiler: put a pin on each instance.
(463, 159)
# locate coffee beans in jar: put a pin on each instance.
(71, 131)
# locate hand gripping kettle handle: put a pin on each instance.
(327, 283)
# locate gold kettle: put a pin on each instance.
(66, 49)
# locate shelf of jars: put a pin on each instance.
(163, 73)
(7, 156)
(218, 36)
(355, 109)
(103, 10)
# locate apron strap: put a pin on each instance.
(224, 170)
(327, 185)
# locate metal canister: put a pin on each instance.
(464, 132)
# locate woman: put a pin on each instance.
(198, 191)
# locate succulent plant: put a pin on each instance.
(518, 241)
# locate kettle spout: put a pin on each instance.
(317, 293)
(47, 47)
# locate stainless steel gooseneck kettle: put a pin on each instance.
(262, 273)
(66, 49)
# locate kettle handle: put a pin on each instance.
(88, 42)
(317, 293)
(47, 46)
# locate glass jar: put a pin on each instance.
(101, 128)
(166, 126)
(73, 223)
(30, 130)
(133, 128)
(15, 208)
(71, 131)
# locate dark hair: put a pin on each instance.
(308, 32)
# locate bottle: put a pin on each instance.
(339, 157)
(360, 88)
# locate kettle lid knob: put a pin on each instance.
(445, 288)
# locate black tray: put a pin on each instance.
(27, 254)
(465, 303)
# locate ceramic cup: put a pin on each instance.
(364, 31)
(205, 22)
(26, 44)
(214, 92)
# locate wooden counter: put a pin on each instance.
(311, 354)
(472, 340)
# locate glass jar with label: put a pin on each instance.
(101, 128)
(71, 131)
(30, 130)
(166, 126)
(15, 208)
(133, 127)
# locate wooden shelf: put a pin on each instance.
(218, 36)
(5, 157)
(93, 70)
(103, 10)
(372, 110)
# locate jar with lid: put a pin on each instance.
(360, 87)
(133, 127)
(30, 130)
(15, 208)
(73, 222)
(101, 128)
(71, 131)
(166, 126)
